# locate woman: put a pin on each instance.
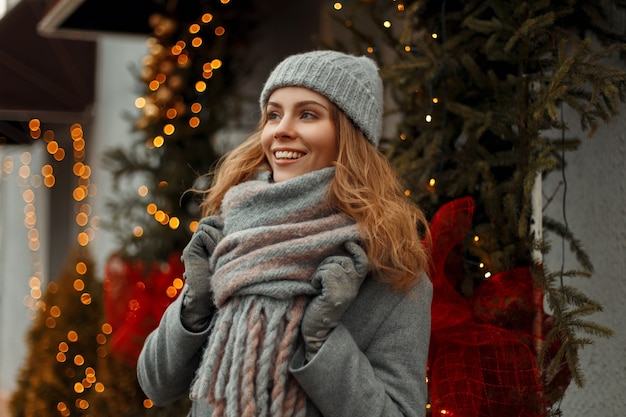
(306, 292)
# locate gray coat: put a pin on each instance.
(373, 364)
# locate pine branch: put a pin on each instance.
(574, 244)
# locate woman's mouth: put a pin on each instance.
(288, 154)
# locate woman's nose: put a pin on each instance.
(284, 129)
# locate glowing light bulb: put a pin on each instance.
(168, 129)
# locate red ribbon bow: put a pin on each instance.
(482, 361)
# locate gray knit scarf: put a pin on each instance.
(275, 236)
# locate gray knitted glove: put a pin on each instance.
(198, 306)
(339, 278)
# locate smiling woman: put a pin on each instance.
(306, 290)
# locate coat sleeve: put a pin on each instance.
(170, 357)
(386, 377)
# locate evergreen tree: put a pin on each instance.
(188, 93)
(122, 396)
(479, 87)
(64, 343)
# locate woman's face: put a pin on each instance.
(299, 135)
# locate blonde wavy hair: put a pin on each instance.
(394, 230)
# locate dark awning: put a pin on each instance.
(85, 19)
(48, 79)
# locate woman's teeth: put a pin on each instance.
(288, 155)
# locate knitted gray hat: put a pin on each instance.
(352, 83)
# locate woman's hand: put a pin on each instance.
(198, 306)
(339, 279)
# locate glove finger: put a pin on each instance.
(200, 245)
(208, 241)
(335, 266)
(361, 263)
(316, 279)
(212, 221)
(212, 233)
(326, 277)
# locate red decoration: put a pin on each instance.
(482, 360)
(135, 299)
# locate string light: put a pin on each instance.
(169, 129)
(196, 42)
(431, 185)
(200, 86)
(171, 113)
(138, 231)
(194, 122)
(183, 60)
(158, 141)
(142, 191)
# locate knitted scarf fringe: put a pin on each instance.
(275, 236)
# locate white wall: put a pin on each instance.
(596, 213)
(17, 263)
(116, 91)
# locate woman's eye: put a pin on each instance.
(308, 115)
(272, 116)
